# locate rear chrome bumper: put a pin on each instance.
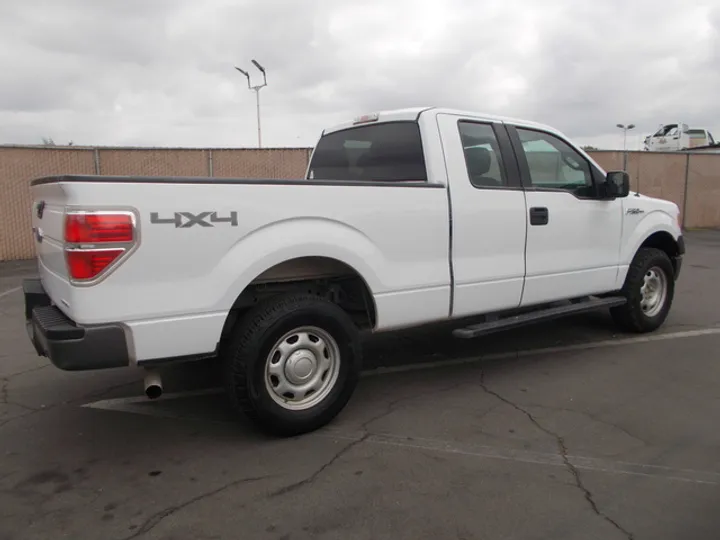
(68, 345)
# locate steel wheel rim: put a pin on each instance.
(653, 291)
(302, 368)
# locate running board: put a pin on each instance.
(516, 321)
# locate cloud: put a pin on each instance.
(160, 72)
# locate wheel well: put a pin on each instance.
(664, 241)
(321, 276)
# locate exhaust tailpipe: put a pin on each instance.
(153, 384)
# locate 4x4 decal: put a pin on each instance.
(185, 220)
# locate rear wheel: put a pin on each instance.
(649, 289)
(292, 364)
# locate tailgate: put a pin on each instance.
(48, 210)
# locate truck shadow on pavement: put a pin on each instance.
(193, 391)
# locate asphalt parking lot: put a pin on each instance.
(567, 430)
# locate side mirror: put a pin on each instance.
(617, 184)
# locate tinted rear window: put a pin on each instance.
(390, 152)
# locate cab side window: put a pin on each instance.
(482, 155)
(553, 164)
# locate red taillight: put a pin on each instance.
(98, 228)
(94, 241)
(87, 264)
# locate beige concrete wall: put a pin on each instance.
(661, 176)
(17, 167)
(703, 204)
(154, 162)
(272, 163)
(610, 161)
(656, 174)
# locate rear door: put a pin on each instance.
(573, 239)
(488, 225)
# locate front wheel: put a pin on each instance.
(649, 289)
(292, 364)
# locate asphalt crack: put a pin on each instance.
(389, 409)
(315, 475)
(563, 452)
(340, 453)
(592, 417)
(105, 391)
(30, 370)
(5, 400)
(157, 518)
(392, 406)
(5, 396)
(5, 391)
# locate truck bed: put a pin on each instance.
(201, 241)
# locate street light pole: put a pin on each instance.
(256, 89)
(625, 130)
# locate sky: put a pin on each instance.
(161, 72)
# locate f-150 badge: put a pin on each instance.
(634, 211)
(185, 220)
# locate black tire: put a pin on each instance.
(246, 355)
(631, 317)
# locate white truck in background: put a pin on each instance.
(405, 218)
(678, 137)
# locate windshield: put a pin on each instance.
(389, 152)
(666, 130)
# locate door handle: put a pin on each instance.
(539, 215)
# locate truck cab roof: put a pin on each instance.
(414, 113)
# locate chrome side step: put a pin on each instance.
(547, 314)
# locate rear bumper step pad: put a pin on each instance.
(68, 345)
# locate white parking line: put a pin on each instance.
(528, 456)
(9, 291)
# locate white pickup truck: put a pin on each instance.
(677, 137)
(405, 218)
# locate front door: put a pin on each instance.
(666, 139)
(573, 237)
